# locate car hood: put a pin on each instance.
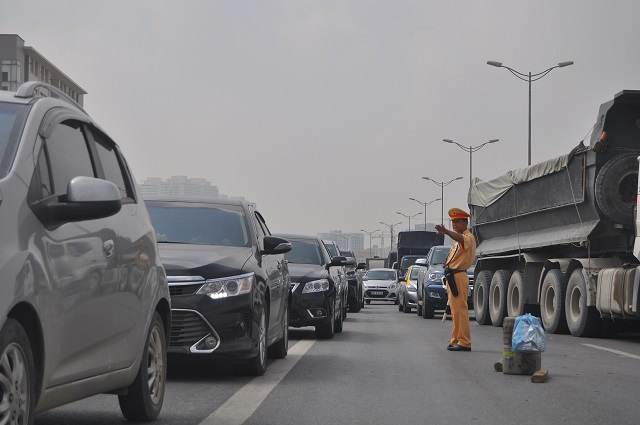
(306, 272)
(207, 261)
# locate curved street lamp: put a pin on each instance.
(529, 78)
(471, 150)
(409, 217)
(442, 185)
(424, 204)
(370, 233)
(390, 226)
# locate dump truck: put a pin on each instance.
(559, 238)
(413, 245)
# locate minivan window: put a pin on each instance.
(12, 118)
(68, 155)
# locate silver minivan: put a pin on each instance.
(84, 301)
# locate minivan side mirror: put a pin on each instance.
(361, 266)
(87, 198)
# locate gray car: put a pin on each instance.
(84, 301)
(380, 285)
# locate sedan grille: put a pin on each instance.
(377, 293)
(175, 290)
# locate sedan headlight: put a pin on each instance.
(316, 286)
(392, 286)
(412, 288)
(435, 276)
(228, 286)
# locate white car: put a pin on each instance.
(380, 285)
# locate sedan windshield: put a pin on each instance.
(304, 252)
(199, 224)
(381, 275)
(12, 118)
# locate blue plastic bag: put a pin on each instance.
(528, 335)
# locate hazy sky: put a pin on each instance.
(328, 113)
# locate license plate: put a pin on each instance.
(377, 292)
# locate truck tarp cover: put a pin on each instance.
(485, 193)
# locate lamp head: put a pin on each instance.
(494, 63)
(447, 140)
(493, 140)
(563, 64)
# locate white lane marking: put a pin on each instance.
(621, 353)
(243, 403)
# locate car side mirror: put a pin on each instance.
(361, 266)
(87, 198)
(337, 261)
(351, 261)
(275, 245)
(365, 278)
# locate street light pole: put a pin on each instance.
(424, 204)
(471, 150)
(409, 217)
(370, 233)
(529, 77)
(442, 185)
(390, 226)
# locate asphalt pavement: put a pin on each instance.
(389, 367)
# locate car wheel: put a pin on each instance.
(145, 395)
(400, 304)
(396, 301)
(257, 366)
(405, 307)
(428, 310)
(17, 375)
(326, 330)
(280, 348)
(339, 322)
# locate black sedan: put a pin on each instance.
(228, 280)
(316, 288)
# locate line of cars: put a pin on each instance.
(102, 287)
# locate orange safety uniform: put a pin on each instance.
(461, 257)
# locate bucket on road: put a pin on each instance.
(516, 363)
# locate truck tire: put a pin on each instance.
(515, 294)
(498, 296)
(481, 297)
(552, 296)
(581, 320)
(616, 188)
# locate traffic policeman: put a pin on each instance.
(461, 256)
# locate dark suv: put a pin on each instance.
(355, 294)
(431, 290)
(316, 299)
(84, 299)
(228, 279)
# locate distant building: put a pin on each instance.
(430, 227)
(178, 187)
(351, 241)
(20, 63)
(183, 187)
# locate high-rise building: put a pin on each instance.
(178, 187)
(20, 63)
(351, 241)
